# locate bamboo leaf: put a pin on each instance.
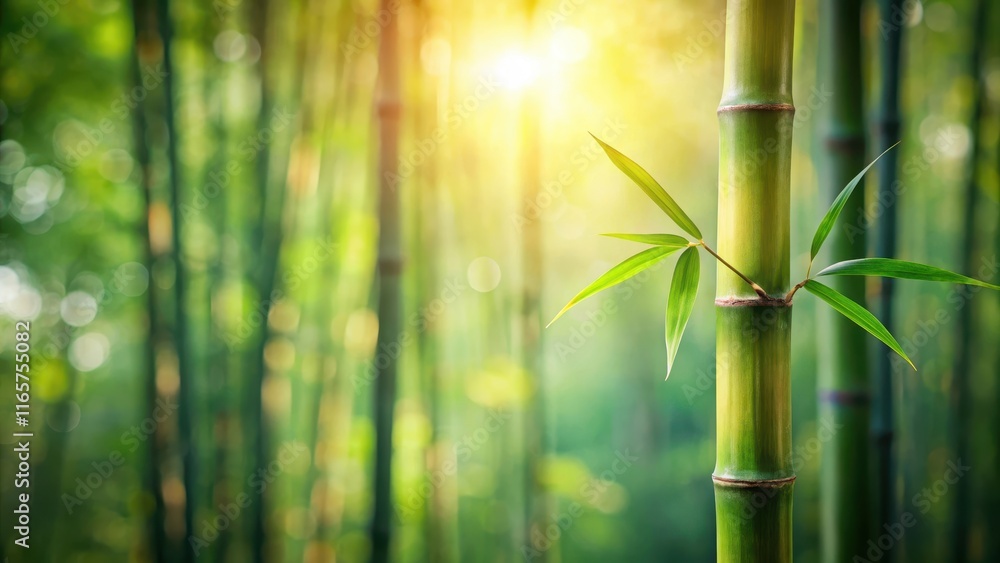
(628, 268)
(826, 225)
(890, 268)
(653, 189)
(858, 314)
(680, 302)
(658, 240)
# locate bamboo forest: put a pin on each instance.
(550, 281)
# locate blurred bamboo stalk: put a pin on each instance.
(844, 383)
(754, 454)
(426, 218)
(961, 402)
(185, 407)
(267, 240)
(535, 503)
(887, 130)
(390, 264)
(217, 360)
(144, 33)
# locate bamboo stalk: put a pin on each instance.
(217, 361)
(887, 132)
(843, 380)
(427, 202)
(158, 542)
(961, 402)
(389, 267)
(268, 236)
(254, 427)
(185, 410)
(753, 475)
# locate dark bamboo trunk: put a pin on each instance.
(961, 402)
(390, 263)
(844, 380)
(144, 32)
(887, 131)
(185, 405)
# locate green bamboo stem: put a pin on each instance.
(185, 410)
(753, 474)
(843, 380)
(389, 267)
(268, 237)
(254, 422)
(51, 467)
(328, 351)
(993, 513)
(887, 132)
(961, 402)
(141, 16)
(217, 361)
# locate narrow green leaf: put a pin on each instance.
(858, 314)
(890, 268)
(826, 225)
(628, 268)
(680, 302)
(653, 189)
(658, 240)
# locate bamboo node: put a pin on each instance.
(753, 483)
(845, 397)
(755, 107)
(752, 302)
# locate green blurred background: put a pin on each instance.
(276, 144)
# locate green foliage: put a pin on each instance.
(683, 290)
(826, 225)
(623, 271)
(652, 189)
(658, 240)
(858, 314)
(891, 268)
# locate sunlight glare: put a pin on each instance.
(569, 45)
(516, 70)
